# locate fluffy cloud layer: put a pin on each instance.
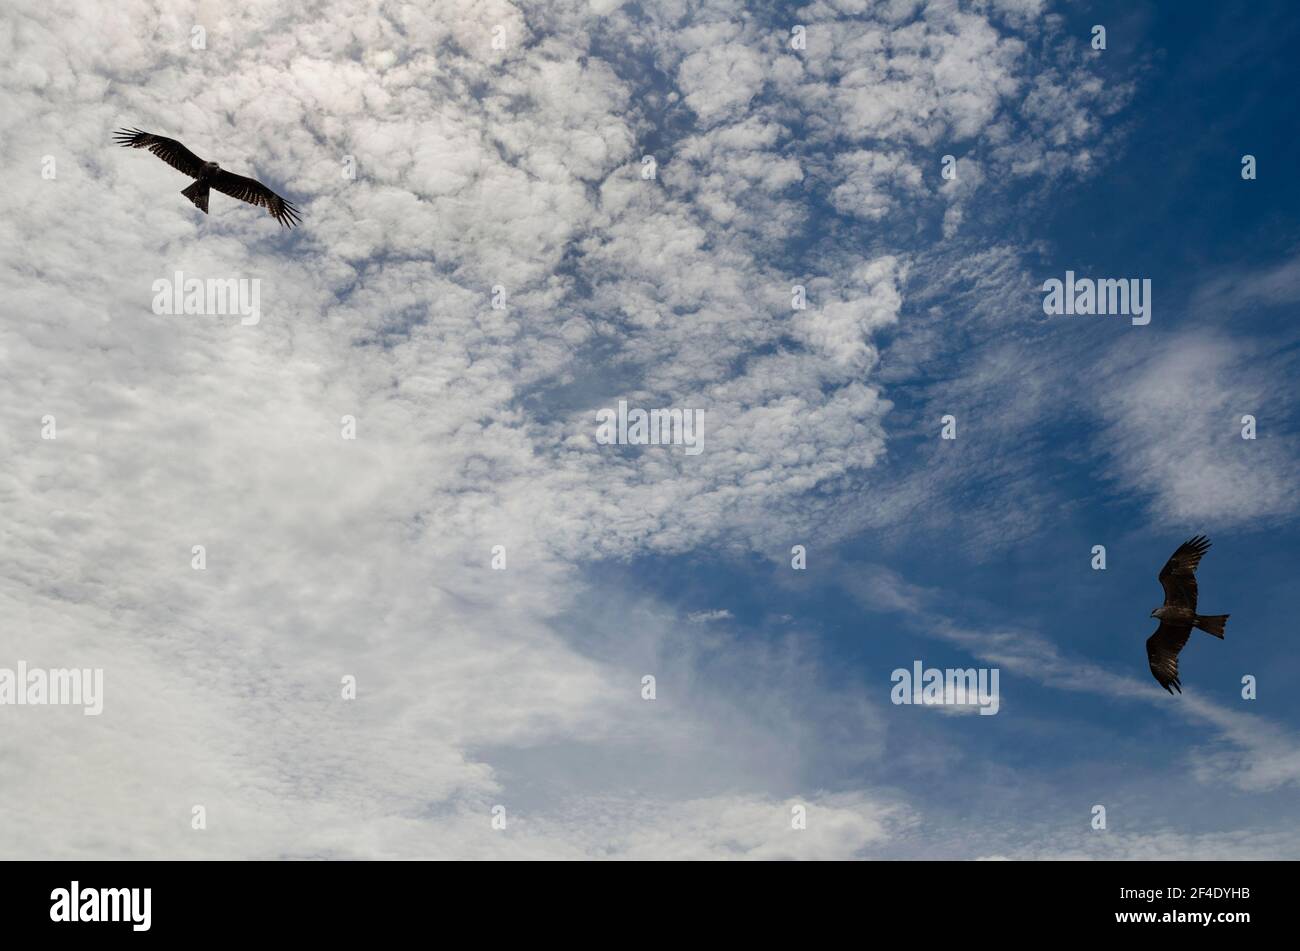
(499, 153)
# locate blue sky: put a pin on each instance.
(1209, 84)
(519, 166)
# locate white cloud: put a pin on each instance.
(1174, 428)
(704, 617)
(477, 167)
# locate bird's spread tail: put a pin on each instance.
(1212, 623)
(198, 193)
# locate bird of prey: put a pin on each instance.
(209, 175)
(1178, 614)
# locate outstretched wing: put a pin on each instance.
(1178, 576)
(255, 193)
(169, 150)
(1162, 653)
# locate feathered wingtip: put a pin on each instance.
(130, 138)
(288, 214)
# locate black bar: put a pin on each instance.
(334, 900)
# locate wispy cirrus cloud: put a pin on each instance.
(1251, 753)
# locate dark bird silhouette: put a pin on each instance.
(209, 175)
(1178, 614)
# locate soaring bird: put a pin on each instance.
(209, 175)
(1178, 614)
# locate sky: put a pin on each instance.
(484, 264)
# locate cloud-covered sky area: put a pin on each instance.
(449, 156)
